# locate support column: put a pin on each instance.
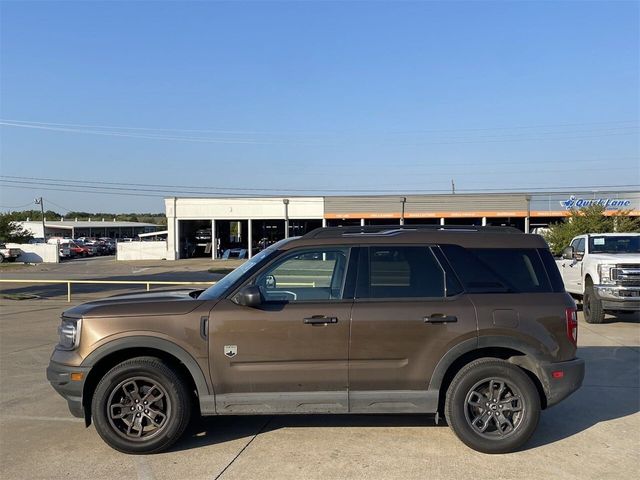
(442, 221)
(362, 222)
(403, 200)
(484, 221)
(286, 217)
(526, 224)
(324, 222)
(214, 240)
(249, 238)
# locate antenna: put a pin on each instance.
(453, 187)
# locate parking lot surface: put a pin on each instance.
(594, 434)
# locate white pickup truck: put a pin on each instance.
(603, 269)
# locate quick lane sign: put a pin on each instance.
(607, 203)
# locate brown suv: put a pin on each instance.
(469, 322)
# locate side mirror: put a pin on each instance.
(249, 296)
(567, 253)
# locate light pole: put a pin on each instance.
(286, 217)
(403, 200)
(41, 203)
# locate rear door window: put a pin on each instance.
(402, 272)
(498, 270)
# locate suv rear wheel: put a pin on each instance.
(492, 406)
(141, 406)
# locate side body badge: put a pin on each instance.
(230, 350)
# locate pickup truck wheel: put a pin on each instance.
(141, 406)
(1, 258)
(492, 406)
(592, 306)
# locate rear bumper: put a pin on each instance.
(59, 375)
(558, 386)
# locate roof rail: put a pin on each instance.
(328, 232)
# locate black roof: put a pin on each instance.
(388, 230)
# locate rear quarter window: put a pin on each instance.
(498, 270)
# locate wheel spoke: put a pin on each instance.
(512, 404)
(130, 389)
(123, 411)
(477, 399)
(149, 397)
(501, 420)
(481, 422)
(155, 414)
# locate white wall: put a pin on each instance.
(141, 250)
(258, 208)
(37, 253)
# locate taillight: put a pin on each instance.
(571, 314)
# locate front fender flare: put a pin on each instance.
(144, 341)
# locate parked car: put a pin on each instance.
(64, 251)
(88, 250)
(9, 254)
(603, 270)
(471, 323)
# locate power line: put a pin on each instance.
(17, 206)
(541, 136)
(59, 206)
(398, 191)
(254, 132)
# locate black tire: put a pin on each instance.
(118, 402)
(476, 395)
(1, 258)
(591, 305)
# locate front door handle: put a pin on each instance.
(440, 318)
(320, 320)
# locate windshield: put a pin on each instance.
(617, 244)
(218, 289)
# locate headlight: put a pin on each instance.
(607, 273)
(69, 332)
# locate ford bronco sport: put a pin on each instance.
(470, 322)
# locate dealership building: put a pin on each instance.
(86, 228)
(216, 226)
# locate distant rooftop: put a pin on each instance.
(89, 223)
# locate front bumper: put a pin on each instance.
(59, 375)
(615, 297)
(558, 386)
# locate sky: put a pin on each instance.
(312, 97)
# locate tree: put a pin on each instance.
(591, 219)
(11, 231)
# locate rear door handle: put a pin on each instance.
(440, 318)
(320, 320)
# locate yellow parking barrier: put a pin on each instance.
(102, 282)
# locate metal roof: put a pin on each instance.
(90, 224)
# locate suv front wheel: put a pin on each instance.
(492, 406)
(141, 406)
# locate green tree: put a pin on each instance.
(590, 219)
(11, 231)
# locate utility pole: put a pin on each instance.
(286, 217)
(41, 203)
(453, 187)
